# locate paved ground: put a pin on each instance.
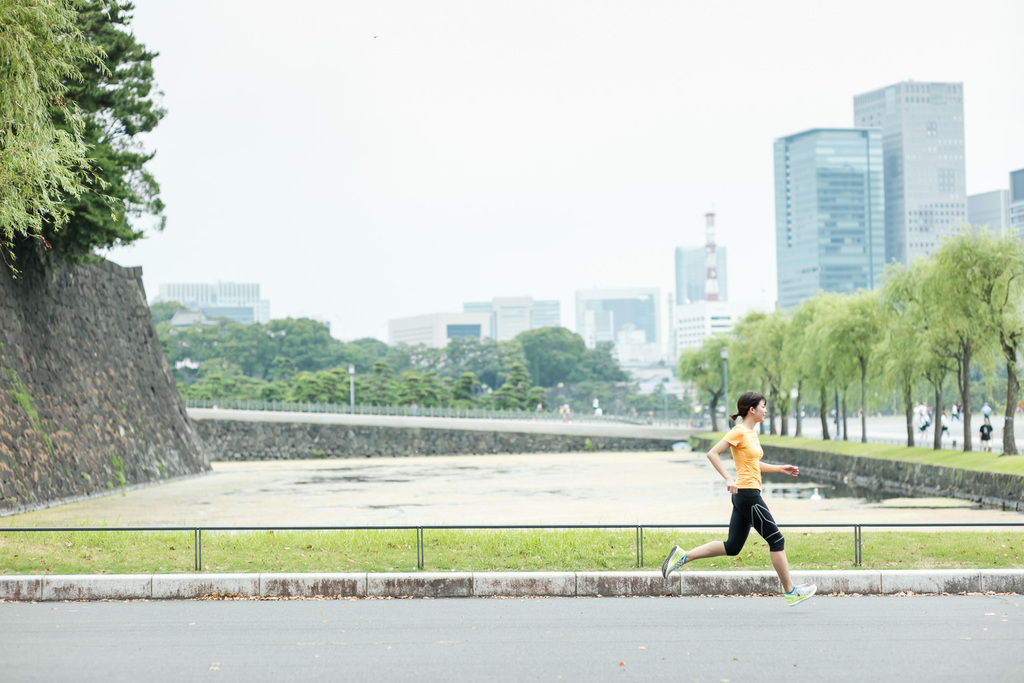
(911, 639)
(566, 488)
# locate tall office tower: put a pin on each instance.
(630, 318)
(710, 260)
(512, 315)
(235, 301)
(691, 274)
(922, 128)
(1017, 202)
(990, 209)
(437, 329)
(829, 212)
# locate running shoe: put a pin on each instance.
(800, 593)
(676, 559)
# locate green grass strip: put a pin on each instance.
(160, 552)
(975, 460)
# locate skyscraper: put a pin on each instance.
(629, 317)
(1017, 202)
(829, 212)
(237, 301)
(512, 315)
(922, 128)
(990, 209)
(692, 274)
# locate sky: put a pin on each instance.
(369, 160)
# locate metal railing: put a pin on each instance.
(198, 531)
(410, 411)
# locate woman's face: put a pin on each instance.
(759, 412)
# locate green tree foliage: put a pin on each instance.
(961, 281)
(760, 357)
(42, 49)
(599, 365)
(514, 394)
(116, 101)
(703, 367)
(464, 390)
(902, 347)
(854, 331)
(165, 310)
(552, 354)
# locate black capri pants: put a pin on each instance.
(749, 510)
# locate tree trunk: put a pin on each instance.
(796, 411)
(771, 416)
(863, 400)
(1012, 394)
(846, 433)
(937, 422)
(908, 396)
(964, 370)
(713, 406)
(823, 413)
(784, 420)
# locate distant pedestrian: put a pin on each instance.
(748, 508)
(944, 421)
(986, 410)
(986, 436)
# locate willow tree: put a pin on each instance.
(41, 48)
(901, 348)
(760, 344)
(703, 366)
(992, 272)
(960, 285)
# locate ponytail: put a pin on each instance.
(745, 403)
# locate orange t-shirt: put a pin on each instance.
(746, 454)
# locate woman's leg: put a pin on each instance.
(781, 565)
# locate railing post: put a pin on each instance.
(639, 546)
(198, 544)
(419, 547)
(857, 546)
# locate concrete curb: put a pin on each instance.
(492, 584)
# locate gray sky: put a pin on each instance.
(367, 160)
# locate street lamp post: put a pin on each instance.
(725, 377)
(351, 385)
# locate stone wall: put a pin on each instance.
(988, 488)
(244, 440)
(87, 403)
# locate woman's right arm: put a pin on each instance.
(716, 462)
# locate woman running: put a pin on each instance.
(748, 508)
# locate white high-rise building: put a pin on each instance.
(1017, 202)
(697, 321)
(922, 128)
(237, 301)
(991, 209)
(629, 317)
(692, 273)
(437, 329)
(512, 315)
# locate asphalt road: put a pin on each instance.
(907, 638)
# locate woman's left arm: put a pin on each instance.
(791, 470)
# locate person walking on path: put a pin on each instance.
(748, 508)
(986, 436)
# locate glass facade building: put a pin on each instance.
(991, 209)
(922, 128)
(513, 315)
(1017, 202)
(236, 301)
(829, 213)
(692, 274)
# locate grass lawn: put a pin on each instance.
(975, 460)
(146, 552)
